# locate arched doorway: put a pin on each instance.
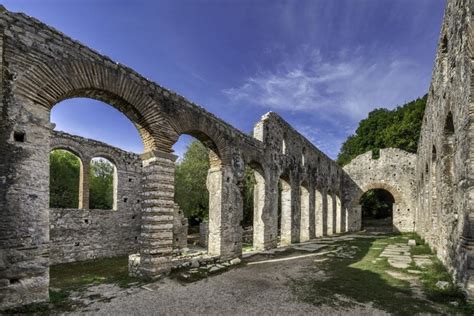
(377, 210)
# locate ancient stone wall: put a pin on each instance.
(311, 184)
(393, 171)
(83, 234)
(444, 171)
(40, 67)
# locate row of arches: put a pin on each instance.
(75, 183)
(321, 213)
(437, 179)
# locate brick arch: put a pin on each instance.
(48, 84)
(201, 126)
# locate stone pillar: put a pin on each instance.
(225, 213)
(156, 238)
(295, 214)
(304, 214)
(324, 215)
(319, 213)
(286, 210)
(261, 214)
(84, 183)
(330, 214)
(24, 204)
(312, 214)
(339, 217)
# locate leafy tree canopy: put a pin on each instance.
(64, 179)
(101, 184)
(65, 170)
(398, 128)
(190, 185)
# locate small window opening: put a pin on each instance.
(19, 136)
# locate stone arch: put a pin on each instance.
(393, 171)
(379, 185)
(71, 148)
(48, 84)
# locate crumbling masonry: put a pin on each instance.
(40, 67)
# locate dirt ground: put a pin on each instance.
(262, 288)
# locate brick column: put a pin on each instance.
(156, 238)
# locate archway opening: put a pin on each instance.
(64, 179)
(191, 193)
(103, 184)
(377, 210)
(107, 178)
(253, 197)
(199, 181)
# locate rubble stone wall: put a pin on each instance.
(393, 171)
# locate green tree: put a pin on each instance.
(101, 184)
(64, 179)
(190, 185)
(398, 128)
(190, 182)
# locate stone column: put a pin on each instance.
(324, 216)
(330, 214)
(156, 238)
(339, 217)
(84, 183)
(304, 215)
(295, 213)
(319, 212)
(312, 214)
(286, 210)
(225, 213)
(24, 204)
(262, 238)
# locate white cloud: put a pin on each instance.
(348, 86)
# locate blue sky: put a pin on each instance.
(321, 64)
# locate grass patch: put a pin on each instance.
(68, 277)
(73, 276)
(362, 279)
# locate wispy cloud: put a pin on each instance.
(347, 86)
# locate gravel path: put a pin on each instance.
(247, 289)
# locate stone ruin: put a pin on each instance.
(39, 67)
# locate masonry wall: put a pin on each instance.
(444, 171)
(84, 234)
(393, 171)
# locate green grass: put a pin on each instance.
(74, 276)
(361, 279)
(68, 277)
(365, 280)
